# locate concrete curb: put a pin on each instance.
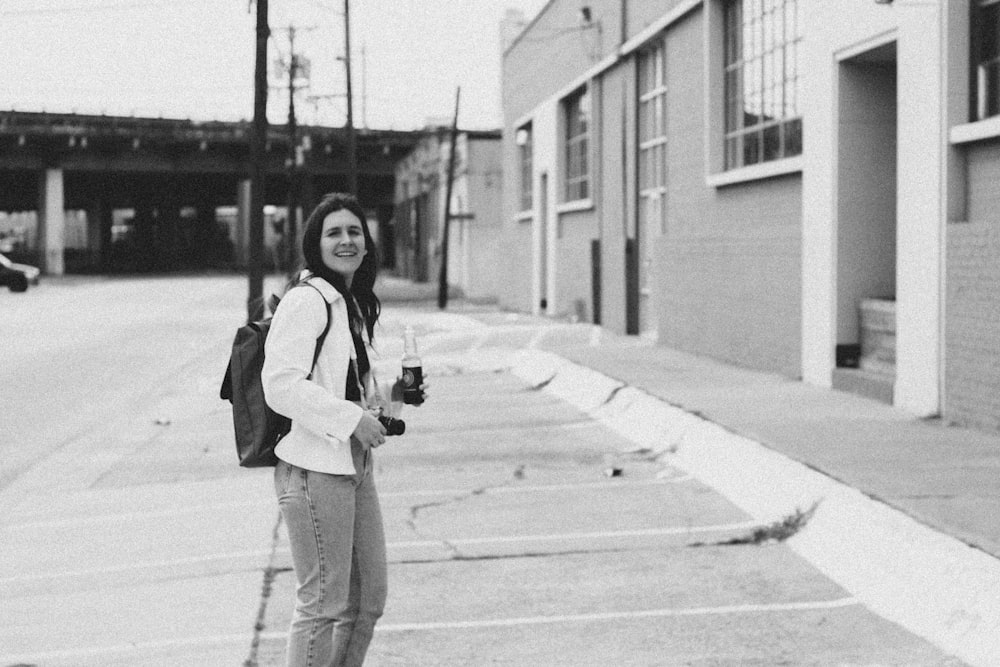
(930, 583)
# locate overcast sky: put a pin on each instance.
(194, 58)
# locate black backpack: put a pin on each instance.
(257, 427)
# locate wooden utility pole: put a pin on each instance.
(352, 158)
(443, 281)
(255, 250)
(291, 217)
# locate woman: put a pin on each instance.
(324, 475)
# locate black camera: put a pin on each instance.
(392, 425)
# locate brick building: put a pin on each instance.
(795, 186)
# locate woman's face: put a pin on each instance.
(342, 243)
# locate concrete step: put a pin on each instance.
(877, 386)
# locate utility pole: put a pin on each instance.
(352, 158)
(294, 160)
(255, 259)
(364, 87)
(291, 217)
(443, 281)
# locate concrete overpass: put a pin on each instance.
(151, 189)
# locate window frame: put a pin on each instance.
(760, 53)
(984, 99)
(651, 130)
(576, 114)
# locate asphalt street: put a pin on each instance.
(521, 532)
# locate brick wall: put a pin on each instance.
(730, 260)
(972, 310)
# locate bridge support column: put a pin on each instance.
(98, 233)
(51, 222)
(241, 240)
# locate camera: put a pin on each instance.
(392, 425)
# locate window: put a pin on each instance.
(763, 121)
(985, 59)
(577, 114)
(652, 136)
(524, 149)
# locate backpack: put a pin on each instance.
(257, 427)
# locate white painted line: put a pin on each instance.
(264, 502)
(624, 615)
(145, 647)
(140, 515)
(264, 553)
(191, 560)
(140, 648)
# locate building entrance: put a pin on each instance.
(866, 194)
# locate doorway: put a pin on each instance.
(866, 222)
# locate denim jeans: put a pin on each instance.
(338, 552)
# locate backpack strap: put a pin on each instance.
(326, 329)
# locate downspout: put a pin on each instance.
(623, 22)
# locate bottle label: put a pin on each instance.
(413, 377)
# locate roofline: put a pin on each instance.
(528, 27)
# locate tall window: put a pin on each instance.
(985, 59)
(524, 150)
(763, 120)
(577, 116)
(652, 136)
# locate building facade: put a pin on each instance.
(788, 185)
(475, 224)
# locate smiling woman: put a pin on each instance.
(324, 477)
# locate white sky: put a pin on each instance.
(195, 58)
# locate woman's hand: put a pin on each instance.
(396, 394)
(369, 431)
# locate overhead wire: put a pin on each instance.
(136, 4)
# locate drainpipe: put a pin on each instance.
(623, 22)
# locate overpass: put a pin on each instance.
(160, 194)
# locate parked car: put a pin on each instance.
(17, 277)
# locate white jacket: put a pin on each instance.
(322, 419)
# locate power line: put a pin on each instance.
(138, 4)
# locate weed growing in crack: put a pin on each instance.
(541, 385)
(779, 531)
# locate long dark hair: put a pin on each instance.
(363, 283)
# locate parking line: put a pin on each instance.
(624, 615)
(216, 640)
(270, 502)
(264, 553)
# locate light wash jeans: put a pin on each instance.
(338, 551)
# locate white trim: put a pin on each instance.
(576, 205)
(756, 172)
(615, 56)
(976, 131)
(865, 45)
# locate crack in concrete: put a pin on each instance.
(614, 392)
(270, 572)
(415, 511)
(514, 556)
(541, 385)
